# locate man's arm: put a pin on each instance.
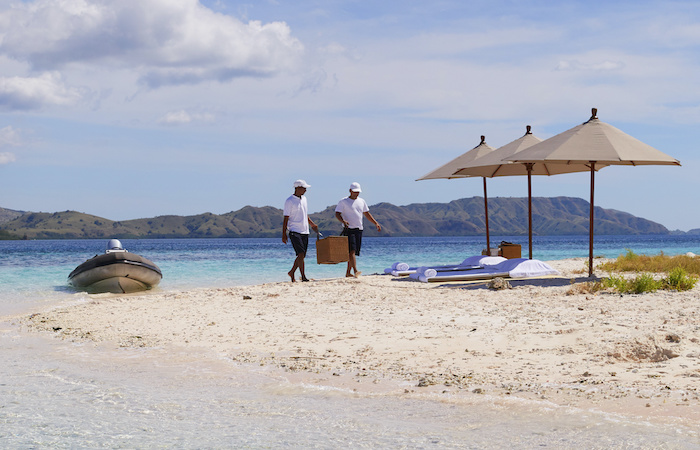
(284, 229)
(313, 225)
(340, 218)
(371, 219)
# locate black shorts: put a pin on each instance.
(300, 242)
(354, 240)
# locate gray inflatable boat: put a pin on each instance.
(117, 271)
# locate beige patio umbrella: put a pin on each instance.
(493, 164)
(447, 171)
(594, 143)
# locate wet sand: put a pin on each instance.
(540, 340)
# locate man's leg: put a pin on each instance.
(352, 262)
(294, 268)
(300, 264)
(297, 244)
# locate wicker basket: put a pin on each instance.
(509, 251)
(332, 250)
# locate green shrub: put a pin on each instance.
(639, 285)
(679, 280)
(616, 282)
(644, 283)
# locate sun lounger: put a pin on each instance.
(399, 269)
(511, 268)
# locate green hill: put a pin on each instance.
(464, 217)
(9, 214)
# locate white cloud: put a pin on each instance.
(166, 42)
(183, 117)
(28, 93)
(6, 157)
(602, 66)
(9, 137)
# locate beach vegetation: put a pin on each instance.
(681, 273)
(638, 285)
(615, 282)
(661, 263)
(644, 283)
(678, 279)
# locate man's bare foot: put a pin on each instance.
(291, 275)
(357, 274)
(348, 275)
(304, 279)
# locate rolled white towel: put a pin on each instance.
(429, 273)
(401, 267)
(393, 266)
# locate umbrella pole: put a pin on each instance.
(529, 205)
(486, 214)
(590, 226)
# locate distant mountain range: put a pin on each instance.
(464, 217)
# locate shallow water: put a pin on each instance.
(59, 394)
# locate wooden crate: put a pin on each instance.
(510, 251)
(332, 250)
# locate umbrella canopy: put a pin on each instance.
(494, 164)
(595, 143)
(447, 171)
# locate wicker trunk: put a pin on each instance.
(510, 251)
(332, 250)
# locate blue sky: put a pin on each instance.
(140, 108)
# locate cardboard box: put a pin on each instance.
(332, 250)
(510, 251)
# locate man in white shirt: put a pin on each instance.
(349, 212)
(297, 221)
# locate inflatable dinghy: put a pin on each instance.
(117, 271)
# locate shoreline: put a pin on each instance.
(636, 355)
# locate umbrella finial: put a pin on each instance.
(594, 113)
(528, 129)
(483, 139)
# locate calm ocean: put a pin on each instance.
(57, 394)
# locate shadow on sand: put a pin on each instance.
(517, 282)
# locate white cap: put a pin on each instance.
(355, 187)
(301, 183)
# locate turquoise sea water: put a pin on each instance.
(63, 395)
(33, 271)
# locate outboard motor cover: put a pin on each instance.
(114, 246)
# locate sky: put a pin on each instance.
(140, 108)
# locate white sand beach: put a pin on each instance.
(630, 354)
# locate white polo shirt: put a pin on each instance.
(296, 209)
(352, 211)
